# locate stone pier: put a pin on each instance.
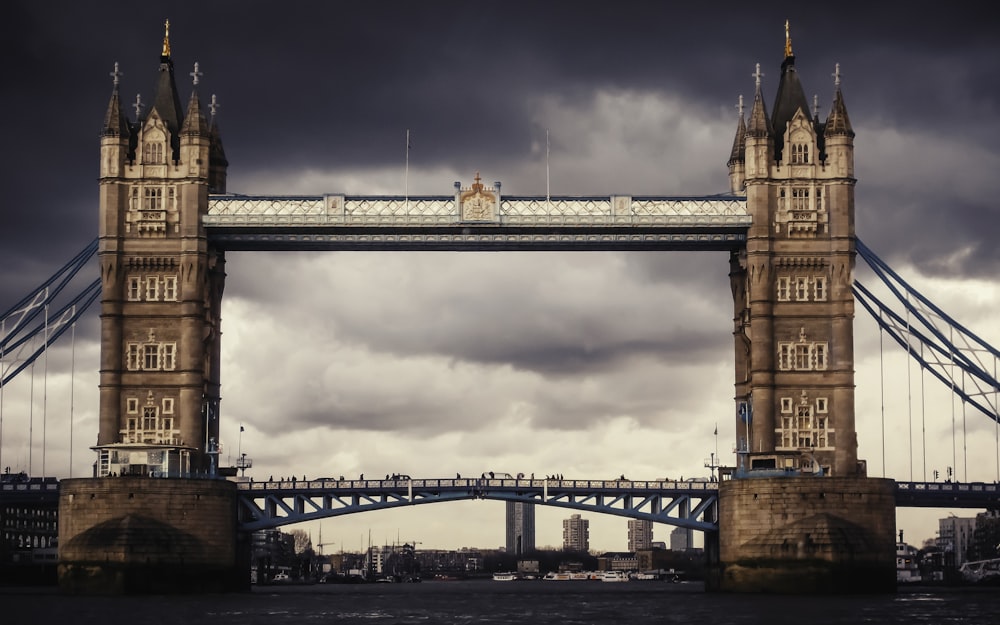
(130, 535)
(806, 535)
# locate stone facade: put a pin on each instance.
(806, 535)
(162, 285)
(127, 535)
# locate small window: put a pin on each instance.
(819, 350)
(802, 357)
(132, 405)
(786, 405)
(167, 351)
(784, 289)
(134, 288)
(819, 288)
(784, 356)
(821, 404)
(168, 406)
(152, 288)
(170, 288)
(801, 288)
(132, 424)
(132, 357)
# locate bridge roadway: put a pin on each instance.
(688, 504)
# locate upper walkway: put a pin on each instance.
(688, 504)
(343, 222)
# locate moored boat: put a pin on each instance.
(506, 576)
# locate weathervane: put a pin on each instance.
(214, 106)
(788, 42)
(138, 105)
(758, 75)
(116, 74)
(740, 105)
(195, 74)
(836, 75)
(815, 105)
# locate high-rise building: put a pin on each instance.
(680, 539)
(576, 534)
(955, 538)
(640, 534)
(520, 527)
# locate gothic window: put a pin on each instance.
(801, 288)
(151, 357)
(784, 356)
(800, 154)
(149, 418)
(167, 356)
(804, 429)
(170, 288)
(132, 360)
(152, 153)
(802, 356)
(134, 288)
(800, 200)
(152, 199)
(819, 289)
(152, 288)
(784, 289)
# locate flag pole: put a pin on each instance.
(406, 173)
(547, 196)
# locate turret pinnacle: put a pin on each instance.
(167, 102)
(838, 123)
(759, 125)
(738, 155)
(115, 123)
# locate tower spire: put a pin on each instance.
(788, 42)
(166, 40)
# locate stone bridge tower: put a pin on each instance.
(800, 515)
(161, 284)
(794, 308)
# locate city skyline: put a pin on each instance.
(592, 365)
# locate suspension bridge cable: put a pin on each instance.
(923, 416)
(72, 387)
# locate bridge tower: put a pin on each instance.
(126, 530)
(161, 285)
(801, 513)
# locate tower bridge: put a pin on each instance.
(167, 220)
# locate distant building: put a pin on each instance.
(955, 538)
(680, 539)
(986, 538)
(640, 534)
(576, 534)
(520, 527)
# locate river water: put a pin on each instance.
(486, 601)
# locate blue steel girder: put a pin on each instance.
(691, 505)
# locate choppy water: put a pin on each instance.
(536, 603)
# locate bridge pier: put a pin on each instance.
(133, 535)
(806, 535)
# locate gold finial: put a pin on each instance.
(166, 39)
(788, 42)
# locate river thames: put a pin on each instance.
(486, 601)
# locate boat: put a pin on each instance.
(506, 576)
(984, 572)
(614, 576)
(907, 568)
(558, 577)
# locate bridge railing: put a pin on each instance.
(464, 483)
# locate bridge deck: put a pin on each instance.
(335, 222)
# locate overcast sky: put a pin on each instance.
(589, 364)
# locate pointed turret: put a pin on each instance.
(759, 139)
(737, 158)
(790, 98)
(167, 103)
(194, 120)
(116, 134)
(838, 123)
(838, 134)
(115, 123)
(217, 154)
